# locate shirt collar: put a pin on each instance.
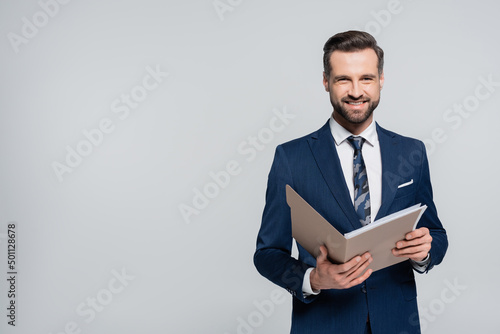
(340, 134)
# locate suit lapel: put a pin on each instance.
(325, 153)
(390, 151)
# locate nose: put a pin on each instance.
(356, 91)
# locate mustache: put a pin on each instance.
(358, 99)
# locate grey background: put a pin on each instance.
(119, 209)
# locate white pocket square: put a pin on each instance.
(405, 184)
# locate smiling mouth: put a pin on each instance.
(355, 103)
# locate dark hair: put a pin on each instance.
(351, 41)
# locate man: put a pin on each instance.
(352, 171)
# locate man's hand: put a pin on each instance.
(327, 275)
(415, 246)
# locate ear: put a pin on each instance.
(325, 82)
(381, 80)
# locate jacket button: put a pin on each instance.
(363, 288)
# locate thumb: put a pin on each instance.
(322, 255)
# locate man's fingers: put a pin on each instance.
(361, 278)
(414, 242)
(425, 239)
(354, 263)
(406, 251)
(417, 233)
(416, 245)
(411, 250)
(360, 268)
(327, 275)
(416, 253)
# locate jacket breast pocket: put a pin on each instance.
(404, 198)
(405, 189)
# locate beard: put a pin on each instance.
(354, 116)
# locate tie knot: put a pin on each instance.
(356, 142)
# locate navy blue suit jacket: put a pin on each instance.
(311, 166)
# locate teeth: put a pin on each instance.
(355, 103)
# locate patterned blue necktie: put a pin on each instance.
(361, 191)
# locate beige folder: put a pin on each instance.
(311, 231)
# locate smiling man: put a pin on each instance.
(352, 171)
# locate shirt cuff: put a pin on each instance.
(421, 266)
(306, 284)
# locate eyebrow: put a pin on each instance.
(339, 77)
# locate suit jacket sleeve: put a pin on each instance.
(430, 217)
(273, 257)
